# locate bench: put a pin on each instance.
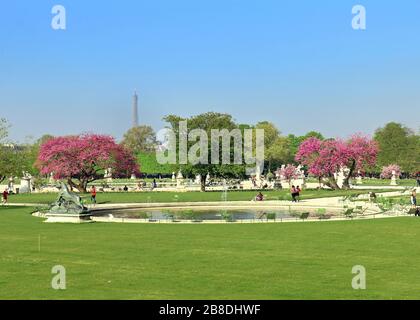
(304, 215)
(349, 213)
(412, 211)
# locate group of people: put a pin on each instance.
(295, 192)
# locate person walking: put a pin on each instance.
(298, 191)
(413, 199)
(293, 193)
(93, 195)
(5, 197)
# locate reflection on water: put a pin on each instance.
(210, 214)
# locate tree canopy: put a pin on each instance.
(398, 145)
(326, 158)
(84, 158)
(140, 139)
(12, 158)
(207, 122)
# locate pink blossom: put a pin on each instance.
(84, 156)
(387, 172)
(289, 172)
(325, 158)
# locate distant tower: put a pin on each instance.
(135, 110)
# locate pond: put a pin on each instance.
(216, 214)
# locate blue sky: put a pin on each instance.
(296, 63)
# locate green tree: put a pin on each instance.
(30, 152)
(277, 149)
(207, 122)
(398, 145)
(149, 164)
(13, 159)
(140, 139)
(295, 141)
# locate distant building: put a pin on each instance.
(9, 146)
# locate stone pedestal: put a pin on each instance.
(180, 180)
(394, 179)
(108, 175)
(197, 179)
(10, 185)
(25, 185)
(68, 218)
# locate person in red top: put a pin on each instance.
(5, 196)
(93, 194)
(298, 191)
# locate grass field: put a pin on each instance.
(257, 261)
(387, 182)
(378, 182)
(141, 197)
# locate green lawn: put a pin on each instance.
(256, 261)
(377, 182)
(387, 182)
(140, 197)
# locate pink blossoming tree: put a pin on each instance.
(288, 172)
(387, 172)
(325, 158)
(82, 159)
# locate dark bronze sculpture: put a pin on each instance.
(68, 203)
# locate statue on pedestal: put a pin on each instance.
(179, 179)
(67, 203)
(25, 182)
(394, 178)
(359, 179)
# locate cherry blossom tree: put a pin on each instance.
(326, 158)
(82, 159)
(387, 172)
(288, 172)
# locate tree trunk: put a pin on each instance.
(346, 182)
(71, 184)
(81, 186)
(203, 183)
(332, 183)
